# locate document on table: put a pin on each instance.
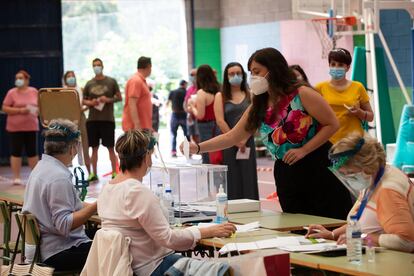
(240, 228)
(284, 243)
(314, 248)
(243, 155)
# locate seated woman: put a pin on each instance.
(126, 205)
(385, 207)
(51, 197)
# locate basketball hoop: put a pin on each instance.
(327, 29)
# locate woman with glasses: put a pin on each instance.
(348, 99)
(385, 206)
(229, 106)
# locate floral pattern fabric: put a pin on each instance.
(291, 127)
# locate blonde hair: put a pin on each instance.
(131, 148)
(370, 157)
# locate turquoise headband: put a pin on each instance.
(340, 158)
(70, 135)
(150, 146)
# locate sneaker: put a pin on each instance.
(17, 181)
(113, 175)
(93, 177)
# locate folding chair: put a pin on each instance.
(30, 233)
(7, 246)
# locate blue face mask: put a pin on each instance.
(97, 70)
(191, 78)
(19, 82)
(337, 73)
(236, 80)
(71, 81)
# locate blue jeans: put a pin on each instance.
(207, 131)
(166, 263)
(178, 119)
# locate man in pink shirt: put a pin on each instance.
(138, 107)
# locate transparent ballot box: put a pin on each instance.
(194, 187)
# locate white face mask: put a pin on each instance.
(258, 84)
(19, 82)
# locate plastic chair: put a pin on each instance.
(30, 230)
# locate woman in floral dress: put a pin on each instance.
(295, 124)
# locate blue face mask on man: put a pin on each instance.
(236, 80)
(337, 73)
(97, 70)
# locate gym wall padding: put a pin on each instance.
(207, 48)
(404, 151)
(359, 74)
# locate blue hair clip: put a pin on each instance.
(340, 158)
(152, 142)
(70, 135)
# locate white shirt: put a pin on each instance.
(132, 209)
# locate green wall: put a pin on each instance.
(207, 48)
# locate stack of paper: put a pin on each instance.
(314, 248)
(292, 244)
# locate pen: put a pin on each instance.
(314, 230)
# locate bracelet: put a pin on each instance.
(333, 235)
(198, 148)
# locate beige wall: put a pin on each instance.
(207, 13)
(243, 12)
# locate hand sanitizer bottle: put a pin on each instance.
(222, 204)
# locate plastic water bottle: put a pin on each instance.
(159, 191)
(221, 204)
(370, 250)
(169, 204)
(353, 241)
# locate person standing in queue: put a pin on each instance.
(295, 124)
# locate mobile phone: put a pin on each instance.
(348, 107)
